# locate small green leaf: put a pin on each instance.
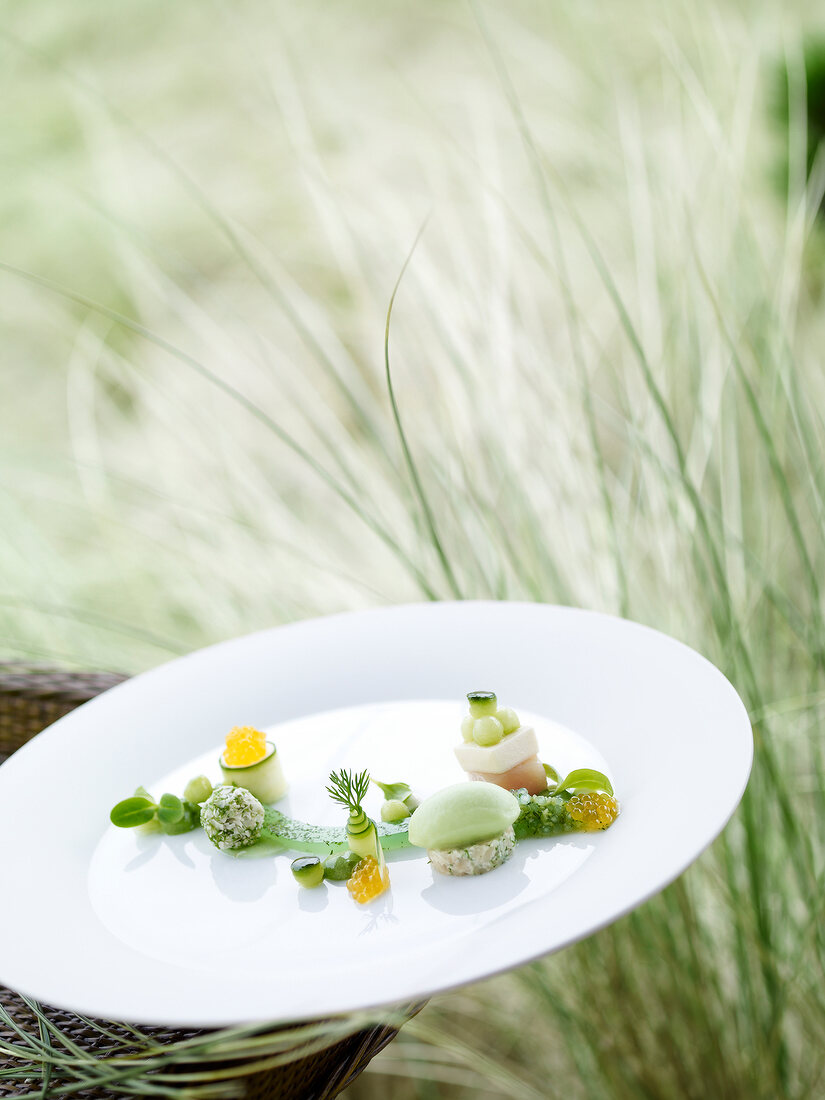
(170, 809)
(132, 811)
(141, 792)
(551, 773)
(585, 779)
(394, 791)
(190, 819)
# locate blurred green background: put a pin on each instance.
(607, 353)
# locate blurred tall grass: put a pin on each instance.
(607, 357)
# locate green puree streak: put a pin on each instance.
(541, 815)
(300, 836)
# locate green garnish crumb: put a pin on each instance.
(232, 817)
(543, 815)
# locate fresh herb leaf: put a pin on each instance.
(585, 779)
(394, 791)
(170, 809)
(551, 773)
(190, 819)
(348, 789)
(132, 811)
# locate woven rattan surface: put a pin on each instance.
(31, 698)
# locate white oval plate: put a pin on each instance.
(168, 930)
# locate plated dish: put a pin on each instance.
(172, 929)
(465, 829)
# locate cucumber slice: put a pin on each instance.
(482, 703)
(265, 778)
(365, 842)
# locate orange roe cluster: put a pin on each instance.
(244, 745)
(593, 810)
(368, 880)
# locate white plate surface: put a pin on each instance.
(168, 930)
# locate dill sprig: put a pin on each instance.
(348, 789)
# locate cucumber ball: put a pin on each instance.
(487, 731)
(308, 871)
(508, 718)
(198, 790)
(394, 810)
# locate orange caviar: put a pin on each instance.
(244, 745)
(368, 880)
(593, 810)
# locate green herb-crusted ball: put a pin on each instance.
(232, 817)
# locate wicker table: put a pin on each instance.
(31, 698)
